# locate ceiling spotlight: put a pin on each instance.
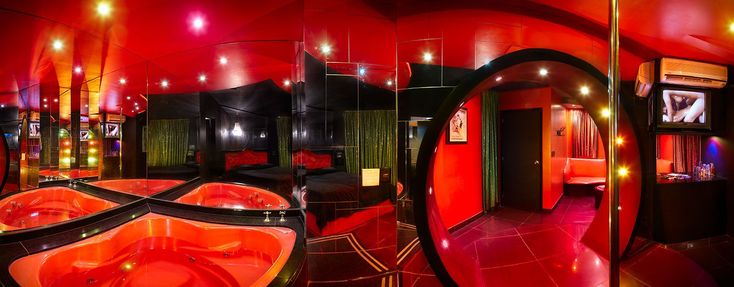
(498, 78)
(325, 49)
(619, 140)
(286, 83)
(389, 83)
(78, 69)
(2, 105)
(164, 83)
(56, 100)
(427, 57)
(136, 108)
(104, 9)
(223, 60)
(623, 171)
(57, 45)
(123, 81)
(585, 90)
(86, 106)
(543, 72)
(128, 97)
(45, 100)
(198, 23)
(362, 71)
(45, 105)
(202, 78)
(605, 113)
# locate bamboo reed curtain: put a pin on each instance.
(490, 150)
(284, 127)
(370, 139)
(167, 142)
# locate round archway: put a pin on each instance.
(445, 255)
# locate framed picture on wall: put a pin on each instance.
(34, 130)
(457, 130)
(111, 130)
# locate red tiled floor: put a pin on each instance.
(551, 242)
(527, 274)
(502, 251)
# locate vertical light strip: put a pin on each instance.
(612, 182)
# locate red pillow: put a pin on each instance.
(246, 157)
(312, 160)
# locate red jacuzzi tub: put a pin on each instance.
(226, 195)
(47, 205)
(157, 250)
(141, 186)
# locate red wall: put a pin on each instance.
(666, 146)
(457, 172)
(559, 150)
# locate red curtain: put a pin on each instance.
(584, 135)
(686, 153)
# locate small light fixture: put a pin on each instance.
(619, 141)
(389, 83)
(57, 45)
(56, 100)
(198, 23)
(223, 60)
(123, 81)
(585, 90)
(86, 106)
(543, 72)
(202, 78)
(362, 71)
(237, 130)
(45, 105)
(605, 113)
(731, 27)
(128, 97)
(2, 105)
(78, 69)
(325, 49)
(427, 57)
(164, 84)
(623, 172)
(104, 9)
(262, 134)
(45, 100)
(498, 78)
(287, 83)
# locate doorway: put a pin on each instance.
(521, 165)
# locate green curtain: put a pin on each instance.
(284, 126)
(167, 142)
(490, 150)
(370, 139)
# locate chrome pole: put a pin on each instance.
(612, 184)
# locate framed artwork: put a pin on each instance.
(34, 130)
(111, 130)
(457, 130)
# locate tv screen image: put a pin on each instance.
(683, 108)
(112, 130)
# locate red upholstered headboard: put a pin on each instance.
(312, 160)
(245, 157)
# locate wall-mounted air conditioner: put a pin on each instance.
(680, 72)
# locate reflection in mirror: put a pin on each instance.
(227, 122)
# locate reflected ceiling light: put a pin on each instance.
(362, 71)
(45, 105)
(123, 81)
(585, 90)
(427, 57)
(731, 27)
(45, 100)
(286, 83)
(237, 130)
(104, 9)
(78, 69)
(198, 23)
(605, 112)
(2, 105)
(543, 72)
(325, 49)
(57, 45)
(128, 97)
(164, 83)
(389, 83)
(202, 78)
(223, 60)
(56, 100)
(623, 171)
(86, 106)
(619, 140)
(499, 78)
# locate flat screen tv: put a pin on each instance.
(111, 130)
(683, 109)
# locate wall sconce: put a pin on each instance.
(237, 130)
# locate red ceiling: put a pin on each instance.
(148, 41)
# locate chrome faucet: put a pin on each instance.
(282, 213)
(267, 213)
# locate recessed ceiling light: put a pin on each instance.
(223, 60)
(104, 9)
(286, 83)
(202, 78)
(198, 23)
(2, 105)
(325, 49)
(605, 112)
(78, 69)
(427, 57)
(45, 105)
(585, 90)
(164, 83)
(57, 45)
(45, 100)
(389, 83)
(362, 71)
(56, 100)
(123, 81)
(543, 72)
(128, 97)
(498, 78)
